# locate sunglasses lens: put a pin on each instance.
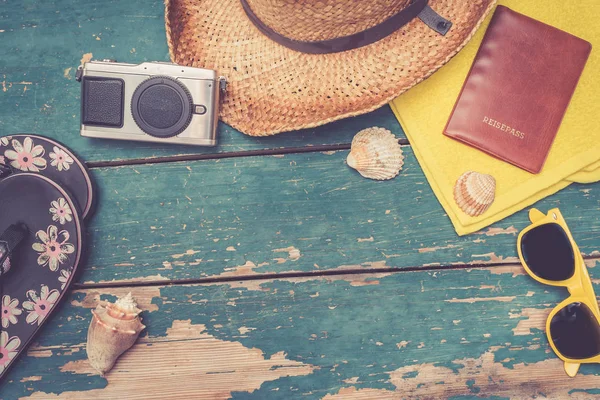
(548, 252)
(575, 332)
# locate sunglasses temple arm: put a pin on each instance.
(571, 368)
(535, 215)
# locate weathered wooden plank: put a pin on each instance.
(43, 43)
(400, 335)
(299, 212)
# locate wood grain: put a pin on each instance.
(426, 335)
(43, 43)
(315, 282)
(294, 213)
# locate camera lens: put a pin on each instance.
(162, 107)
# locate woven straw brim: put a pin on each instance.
(273, 89)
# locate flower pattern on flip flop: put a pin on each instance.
(61, 211)
(8, 349)
(54, 248)
(26, 157)
(64, 278)
(60, 159)
(10, 310)
(4, 141)
(38, 307)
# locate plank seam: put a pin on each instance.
(297, 274)
(218, 156)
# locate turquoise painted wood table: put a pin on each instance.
(266, 268)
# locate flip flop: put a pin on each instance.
(41, 232)
(45, 156)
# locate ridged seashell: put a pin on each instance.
(113, 330)
(376, 154)
(474, 192)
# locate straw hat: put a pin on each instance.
(294, 64)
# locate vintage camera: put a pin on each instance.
(150, 102)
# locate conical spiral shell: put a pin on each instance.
(474, 192)
(376, 154)
(114, 328)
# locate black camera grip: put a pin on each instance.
(102, 101)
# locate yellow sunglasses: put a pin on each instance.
(550, 256)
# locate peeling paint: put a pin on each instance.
(503, 299)
(256, 284)
(7, 85)
(515, 270)
(31, 379)
(204, 365)
(432, 249)
(493, 258)
(591, 262)
(536, 318)
(37, 353)
(142, 295)
(187, 253)
(86, 58)
(290, 308)
(364, 282)
(362, 394)
(481, 375)
(244, 329)
(293, 253)
(435, 264)
(511, 230)
(227, 213)
(369, 239)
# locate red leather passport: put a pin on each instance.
(518, 89)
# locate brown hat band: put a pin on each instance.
(417, 8)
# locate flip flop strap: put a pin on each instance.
(9, 240)
(5, 170)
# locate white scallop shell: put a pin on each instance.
(376, 154)
(474, 192)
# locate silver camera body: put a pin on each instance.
(150, 102)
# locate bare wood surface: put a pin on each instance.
(44, 43)
(265, 267)
(415, 334)
(293, 213)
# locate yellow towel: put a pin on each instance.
(589, 174)
(575, 155)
